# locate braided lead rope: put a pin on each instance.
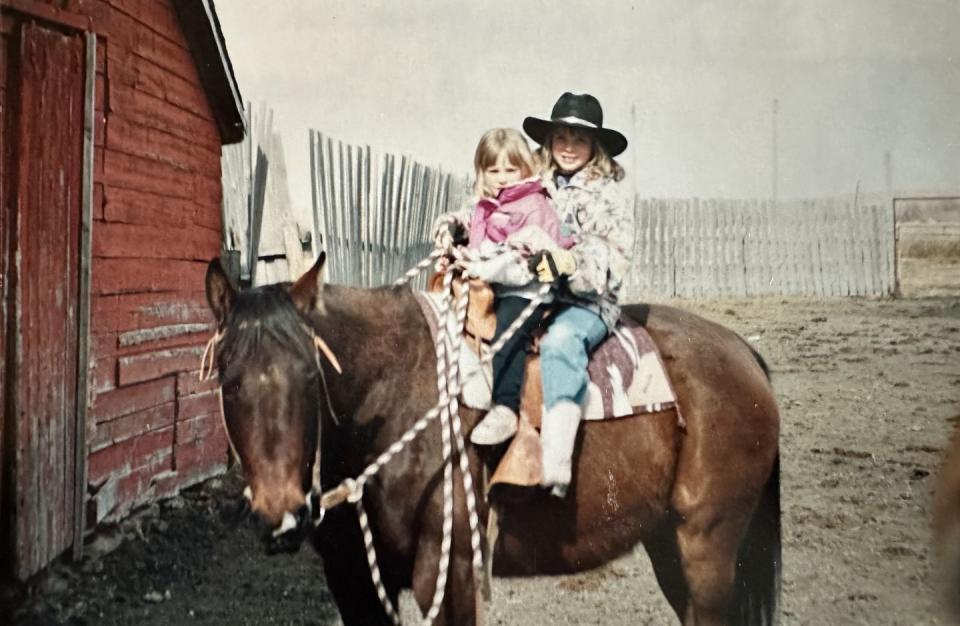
(414, 271)
(401, 443)
(443, 389)
(372, 559)
(354, 488)
(453, 389)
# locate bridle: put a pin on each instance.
(314, 500)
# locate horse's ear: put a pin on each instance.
(221, 293)
(306, 291)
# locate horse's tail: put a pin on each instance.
(757, 595)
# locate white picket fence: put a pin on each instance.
(373, 213)
(716, 248)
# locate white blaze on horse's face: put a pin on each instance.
(270, 406)
(272, 423)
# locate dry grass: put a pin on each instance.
(928, 241)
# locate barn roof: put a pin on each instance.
(200, 24)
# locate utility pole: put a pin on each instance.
(774, 192)
(633, 152)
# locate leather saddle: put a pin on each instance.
(521, 463)
(480, 327)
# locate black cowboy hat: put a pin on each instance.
(580, 111)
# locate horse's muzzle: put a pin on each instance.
(289, 535)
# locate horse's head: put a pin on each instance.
(269, 377)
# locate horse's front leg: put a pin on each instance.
(345, 566)
(459, 600)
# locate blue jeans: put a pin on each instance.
(571, 335)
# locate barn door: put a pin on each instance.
(48, 131)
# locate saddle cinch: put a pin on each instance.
(626, 372)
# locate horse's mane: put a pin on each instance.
(261, 318)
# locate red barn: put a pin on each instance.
(113, 116)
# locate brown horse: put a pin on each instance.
(704, 500)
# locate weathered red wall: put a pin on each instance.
(6, 160)
(152, 428)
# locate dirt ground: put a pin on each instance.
(869, 392)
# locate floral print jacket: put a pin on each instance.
(598, 216)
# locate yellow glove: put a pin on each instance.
(549, 266)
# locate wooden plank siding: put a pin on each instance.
(159, 224)
(150, 430)
(7, 157)
(47, 215)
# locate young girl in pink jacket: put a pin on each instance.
(514, 208)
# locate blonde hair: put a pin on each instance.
(600, 165)
(508, 142)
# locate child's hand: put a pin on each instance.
(447, 231)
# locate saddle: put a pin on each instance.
(480, 327)
(627, 378)
(522, 462)
(481, 323)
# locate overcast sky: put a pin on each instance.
(854, 79)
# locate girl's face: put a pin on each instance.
(502, 174)
(571, 149)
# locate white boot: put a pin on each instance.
(498, 425)
(558, 434)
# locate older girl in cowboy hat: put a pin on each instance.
(594, 211)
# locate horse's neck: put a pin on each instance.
(379, 337)
(359, 320)
(389, 379)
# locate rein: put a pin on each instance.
(449, 384)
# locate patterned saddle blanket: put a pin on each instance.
(627, 375)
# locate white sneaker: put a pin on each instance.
(498, 425)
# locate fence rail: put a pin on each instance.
(373, 214)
